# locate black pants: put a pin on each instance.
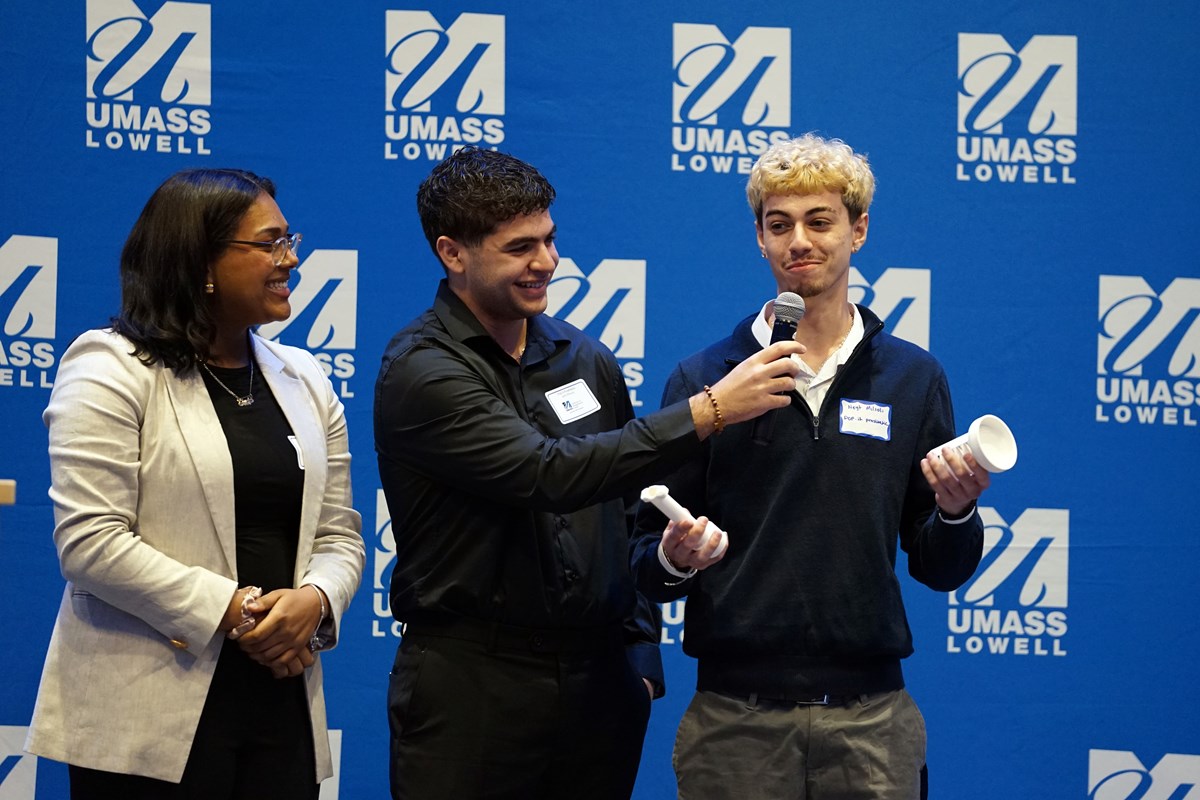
(472, 720)
(254, 742)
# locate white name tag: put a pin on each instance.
(573, 401)
(864, 418)
(299, 455)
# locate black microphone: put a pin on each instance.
(789, 308)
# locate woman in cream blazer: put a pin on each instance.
(143, 477)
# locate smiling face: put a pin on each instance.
(504, 278)
(248, 289)
(808, 239)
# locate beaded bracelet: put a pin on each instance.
(719, 425)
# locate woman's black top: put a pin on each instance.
(268, 482)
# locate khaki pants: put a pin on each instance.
(744, 748)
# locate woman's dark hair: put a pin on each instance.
(164, 265)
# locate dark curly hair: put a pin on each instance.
(471, 192)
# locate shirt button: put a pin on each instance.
(572, 576)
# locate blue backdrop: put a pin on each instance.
(1037, 174)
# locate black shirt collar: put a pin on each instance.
(543, 335)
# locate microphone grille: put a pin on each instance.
(789, 307)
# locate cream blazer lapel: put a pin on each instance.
(306, 421)
(197, 421)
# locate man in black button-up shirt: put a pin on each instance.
(511, 458)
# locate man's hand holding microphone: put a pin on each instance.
(757, 385)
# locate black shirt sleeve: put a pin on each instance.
(443, 417)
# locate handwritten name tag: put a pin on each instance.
(573, 401)
(864, 418)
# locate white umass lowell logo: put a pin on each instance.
(672, 621)
(444, 86)
(608, 304)
(18, 769)
(383, 560)
(900, 297)
(324, 316)
(1016, 603)
(149, 78)
(1016, 109)
(331, 786)
(1121, 775)
(1148, 352)
(729, 101)
(28, 310)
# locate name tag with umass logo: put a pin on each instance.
(573, 401)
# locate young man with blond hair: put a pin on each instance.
(799, 630)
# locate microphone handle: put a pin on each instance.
(764, 426)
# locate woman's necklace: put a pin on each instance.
(243, 400)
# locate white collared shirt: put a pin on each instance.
(813, 386)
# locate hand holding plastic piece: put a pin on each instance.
(660, 497)
(989, 440)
